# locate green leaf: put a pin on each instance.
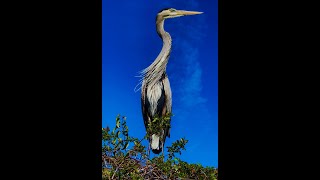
(116, 146)
(125, 146)
(118, 124)
(175, 168)
(114, 141)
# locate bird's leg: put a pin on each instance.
(149, 150)
(162, 149)
(162, 143)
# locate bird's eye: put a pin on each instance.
(172, 10)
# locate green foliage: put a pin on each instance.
(124, 157)
(176, 147)
(157, 124)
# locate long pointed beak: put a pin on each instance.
(185, 13)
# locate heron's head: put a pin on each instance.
(172, 13)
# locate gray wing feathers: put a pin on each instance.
(168, 99)
(144, 104)
(160, 104)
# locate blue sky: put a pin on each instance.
(130, 43)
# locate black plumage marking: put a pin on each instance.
(164, 10)
(146, 105)
(161, 102)
(156, 151)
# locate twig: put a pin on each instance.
(114, 172)
(204, 174)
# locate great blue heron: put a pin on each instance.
(155, 89)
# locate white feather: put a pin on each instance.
(155, 142)
(153, 95)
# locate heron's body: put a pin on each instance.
(156, 99)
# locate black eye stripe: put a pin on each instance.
(164, 9)
(170, 9)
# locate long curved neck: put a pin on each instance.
(166, 38)
(156, 70)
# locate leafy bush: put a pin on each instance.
(121, 162)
